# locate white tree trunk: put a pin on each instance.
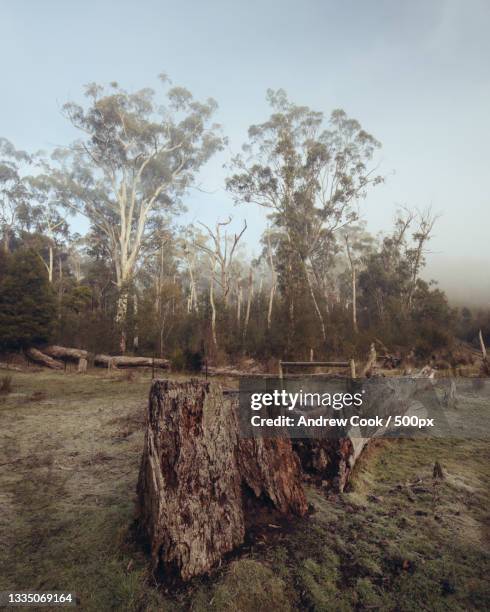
(51, 264)
(239, 306)
(213, 311)
(135, 337)
(354, 301)
(315, 302)
(273, 281)
(121, 312)
(249, 302)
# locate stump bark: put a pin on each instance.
(194, 468)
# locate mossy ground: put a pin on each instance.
(398, 540)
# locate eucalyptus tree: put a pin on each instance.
(391, 274)
(135, 159)
(47, 219)
(310, 176)
(358, 245)
(14, 192)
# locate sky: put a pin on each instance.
(416, 74)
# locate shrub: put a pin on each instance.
(6, 385)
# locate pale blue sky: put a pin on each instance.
(415, 74)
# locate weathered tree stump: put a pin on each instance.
(193, 473)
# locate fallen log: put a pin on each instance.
(197, 477)
(64, 353)
(45, 360)
(122, 361)
(69, 354)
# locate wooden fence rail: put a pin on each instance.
(328, 364)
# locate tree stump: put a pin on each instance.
(191, 488)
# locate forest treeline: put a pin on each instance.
(140, 282)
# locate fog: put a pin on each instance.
(465, 280)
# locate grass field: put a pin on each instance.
(69, 456)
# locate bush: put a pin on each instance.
(27, 305)
(187, 361)
(6, 385)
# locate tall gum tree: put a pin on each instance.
(310, 176)
(14, 192)
(128, 171)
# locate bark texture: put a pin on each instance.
(194, 467)
(271, 469)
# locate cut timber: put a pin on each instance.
(196, 476)
(121, 361)
(42, 359)
(64, 353)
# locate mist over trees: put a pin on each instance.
(139, 282)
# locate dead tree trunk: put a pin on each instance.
(191, 489)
